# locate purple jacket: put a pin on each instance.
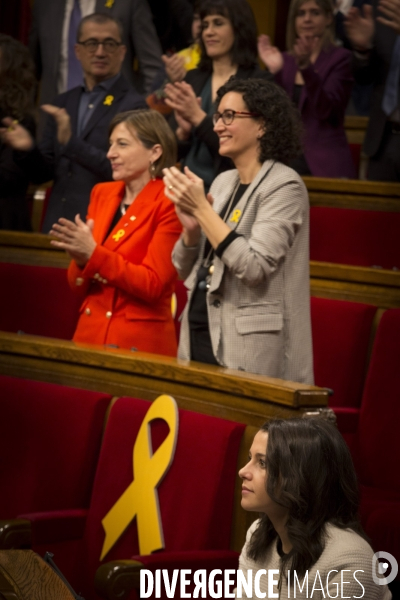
(323, 102)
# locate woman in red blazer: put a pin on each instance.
(121, 257)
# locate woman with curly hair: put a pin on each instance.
(300, 478)
(228, 46)
(17, 83)
(317, 75)
(244, 250)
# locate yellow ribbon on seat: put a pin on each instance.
(140, 499)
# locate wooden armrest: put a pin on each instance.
(115, 579)
(15, 533)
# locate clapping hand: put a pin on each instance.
(270, 55)
(75, 237)
(303, 49)
(391, 11)
(15, 135)
(360, 27)
(174, 66)
(181, 98)
(62, 120)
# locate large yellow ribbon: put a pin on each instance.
(140, 499)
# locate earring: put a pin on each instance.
(152, 170)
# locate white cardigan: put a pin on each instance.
(345, 551)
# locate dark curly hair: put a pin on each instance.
(310, 472)
(241, 16)
(281, 139)
(17, 78)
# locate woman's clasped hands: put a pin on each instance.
(186, 191)
(75, 237)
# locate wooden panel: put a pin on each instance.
(369, 275)
(265, 14)
(353, 186)
(31, 249)
(355, 127)
(383, 297)
(24, 574)
(240, 396)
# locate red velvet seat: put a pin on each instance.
(341, 335)
(37, 300)
(195, 497)
(50, 439)
(376, 448)
(355, 237)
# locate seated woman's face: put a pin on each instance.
(255, 497)
(129, 158)
(311, 20)
(241, 137)
(218, 36)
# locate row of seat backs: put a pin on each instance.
(366, 238)
(52, 436)
(39, 302)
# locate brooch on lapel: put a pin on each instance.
(109, 3)
(236, 216)
(117, 236)
(108, 100)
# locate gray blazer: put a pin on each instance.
(140, 38)
(259, 296)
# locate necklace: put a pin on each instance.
(207, 268)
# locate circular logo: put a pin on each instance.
(380, 568)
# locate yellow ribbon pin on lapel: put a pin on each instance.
(109, 3)
(117, 236)
(108, 100)
(140, 499)
(236, 216)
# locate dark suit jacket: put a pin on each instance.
(375, 70)
(139, 36)
(82, 163)
(323, 102)
(127, 284)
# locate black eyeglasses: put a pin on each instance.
(228, 115)
(109, 45)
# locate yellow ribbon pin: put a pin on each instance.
(140, 499)
(117, 236)
(236, 216)
(109, 3)
(108, 100)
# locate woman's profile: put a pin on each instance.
(300, 478)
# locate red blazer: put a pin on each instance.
(128, 282)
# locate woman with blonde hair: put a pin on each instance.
(121, 257)
(318, 78)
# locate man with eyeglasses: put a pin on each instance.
(73, 150)
(53, 35)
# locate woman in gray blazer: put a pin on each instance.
(244, 250)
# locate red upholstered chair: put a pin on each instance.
(341, 335)
(376, 448)
(195, 498)
(37, 300)
(355, 237)
(50, 438)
